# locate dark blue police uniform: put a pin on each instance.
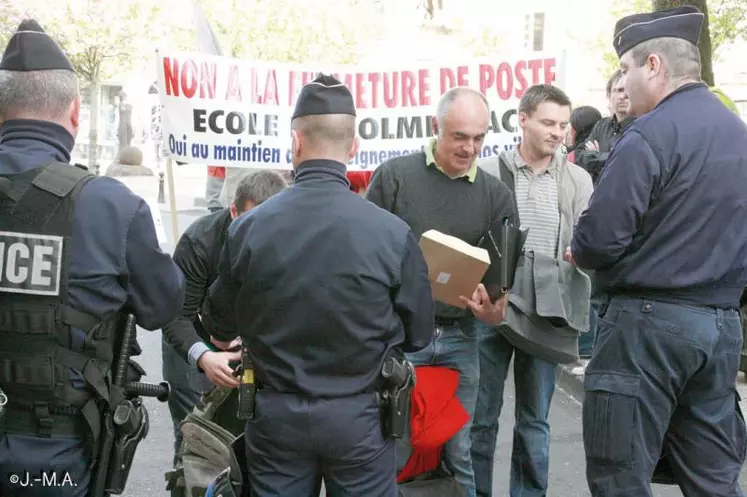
(665, 230)
(109, 261)
(322, 285)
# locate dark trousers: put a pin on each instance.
(663, 378)
(24, 459)
(295, 441)
(187, 386)
(586, 340)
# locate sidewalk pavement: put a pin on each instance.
(571, 379)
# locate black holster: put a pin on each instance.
(131, 426)
(395, 398)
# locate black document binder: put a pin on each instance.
(504, 243)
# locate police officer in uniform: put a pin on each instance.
(189, 364)
(75, 251)
(323, 286)
(665, 230)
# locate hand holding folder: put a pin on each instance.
(504, 243)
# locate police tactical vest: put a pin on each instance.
(37, 211)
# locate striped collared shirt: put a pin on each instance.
(537, 201)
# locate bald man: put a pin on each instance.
(442, 188)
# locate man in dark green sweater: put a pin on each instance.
(442, 188)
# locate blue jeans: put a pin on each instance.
(455, 347)
(534, 379)
(586, 340)
(662, 379)
(187, 386)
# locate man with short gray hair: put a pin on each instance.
(234, 175)
(48, 92)
(191, 364)
(665, 233)
(442, 188)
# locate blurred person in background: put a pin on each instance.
(583, 120)
(607, 130)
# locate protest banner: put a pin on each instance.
(224, 111)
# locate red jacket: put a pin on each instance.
(217, 172)
(359, 180)
(436, 415)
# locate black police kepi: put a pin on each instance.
(31, 49)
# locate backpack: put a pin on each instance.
(207, 448)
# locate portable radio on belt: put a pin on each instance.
(247, 387)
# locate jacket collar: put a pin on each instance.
(42, 136)
(553, 169)
(682, 89)
(430, 161)
(321, 170)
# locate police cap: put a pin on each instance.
(31, 49)
(324, 95)
(680, 22)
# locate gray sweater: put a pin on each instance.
(426, 198)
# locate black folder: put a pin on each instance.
(504, 243)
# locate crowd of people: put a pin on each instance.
(635, 257)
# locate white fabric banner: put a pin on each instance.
(230, 112)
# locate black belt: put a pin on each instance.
(24, 421)
(448, 321)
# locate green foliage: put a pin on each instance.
(317, 31)
(620, 8)
(320, 31)
(474, 36)
(107, 37)
(11, 14)
(728, 21)
(101, 37)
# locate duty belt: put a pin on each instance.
(43, 420)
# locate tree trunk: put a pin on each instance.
(704, 45)
(93, 134)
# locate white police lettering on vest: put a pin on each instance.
(30, 264)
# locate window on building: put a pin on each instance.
(538, 36)
(527, 30)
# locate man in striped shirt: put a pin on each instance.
(551, 193)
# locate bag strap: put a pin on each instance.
(508, 179)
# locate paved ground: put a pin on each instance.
(154, 455)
